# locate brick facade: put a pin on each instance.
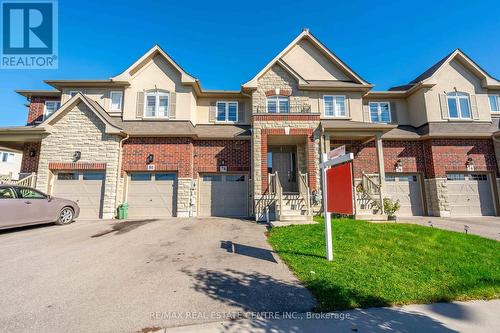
(186, 156)
(30, 163)
(37, 108)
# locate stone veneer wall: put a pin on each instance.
(437, 197)
(81, 130)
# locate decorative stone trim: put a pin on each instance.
(286, 117)
(76, 166)
(278, 92)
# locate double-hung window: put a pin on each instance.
(227, 111)
(156, 104)
(7, 157)
(335, 106)
(380, 112)
(458, 105)
(115, 98)
(50, 108)
(278, 104)
(494, 103)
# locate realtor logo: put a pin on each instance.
(29, 34)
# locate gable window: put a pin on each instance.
(116, 100)
(278, 104)
(227, 111)
(494, 103)
(334, 106)
(458, 105)
(156, 104)
(380, 112)
(50, 108)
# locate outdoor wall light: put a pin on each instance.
(469, 164)
(398, 166)
(77, 155)
(32, 152)
(150, 158)
(222, 162)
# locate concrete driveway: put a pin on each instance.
(97, 276)
(485, 226)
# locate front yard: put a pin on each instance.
(389, 264)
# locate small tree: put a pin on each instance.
(391, 207)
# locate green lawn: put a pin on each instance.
(388, 263)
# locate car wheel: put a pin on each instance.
(65, 216)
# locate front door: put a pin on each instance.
(284, 163)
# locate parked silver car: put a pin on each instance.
(21, 206)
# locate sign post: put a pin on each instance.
(336, 173)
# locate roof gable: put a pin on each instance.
(428, 77)
(321, 56)
(150, 56)
(92, 105)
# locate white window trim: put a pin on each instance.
(459, 111)
(498, 103)
(379, 112)
(335, 110)
(45, 108)
(157, 93)
(226, 112)
(277, 97)
(111, 93)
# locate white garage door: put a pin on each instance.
(86, 188)
(152, 195)
(470, 194)
(224, 195)
(406, 189)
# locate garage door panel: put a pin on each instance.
(152, 195)
(469, 194)
(85, 188)
(224, 195)
(406, 189)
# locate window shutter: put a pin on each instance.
(173, 105)
(444, 106)
(211, 112)
(366, 113)
(139, 105)
(394, 112)
(241, 112)
(473, 106)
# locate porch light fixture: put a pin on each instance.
(32, 152)
(77, 155)
(398, 166)
(150, 158)
(469, 164)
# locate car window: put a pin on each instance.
(28, 193)
(7, 193)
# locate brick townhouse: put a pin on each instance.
(154, 138)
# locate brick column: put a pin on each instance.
(312, 163)
(263, 164)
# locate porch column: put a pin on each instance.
(380, 163)
(327, 142)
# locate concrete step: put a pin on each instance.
(371, 217)
(293, 212)
(287, 223)
(297, 218)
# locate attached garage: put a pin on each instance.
(85, 188)
(408, 190)
(223, 195)
(470, 194)
(152, 195)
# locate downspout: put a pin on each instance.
(118, 173)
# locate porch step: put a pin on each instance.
(295, 218)
(287, 223)
(371, 217)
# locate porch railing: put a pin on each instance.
(371, 187)
(304, 191)
(278, 190)
(29, 180)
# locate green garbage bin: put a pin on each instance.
(123, 211)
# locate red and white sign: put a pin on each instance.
(339, 151)
(339, 189)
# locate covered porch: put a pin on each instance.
(369, 174)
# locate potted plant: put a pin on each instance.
(390, 208)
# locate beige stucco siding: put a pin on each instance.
(311, 64)
(203, 109)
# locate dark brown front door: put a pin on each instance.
(284, 164)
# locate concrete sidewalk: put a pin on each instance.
(474, 316)
(484, 226)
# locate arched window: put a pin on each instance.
(156, 103)
(458, 105)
